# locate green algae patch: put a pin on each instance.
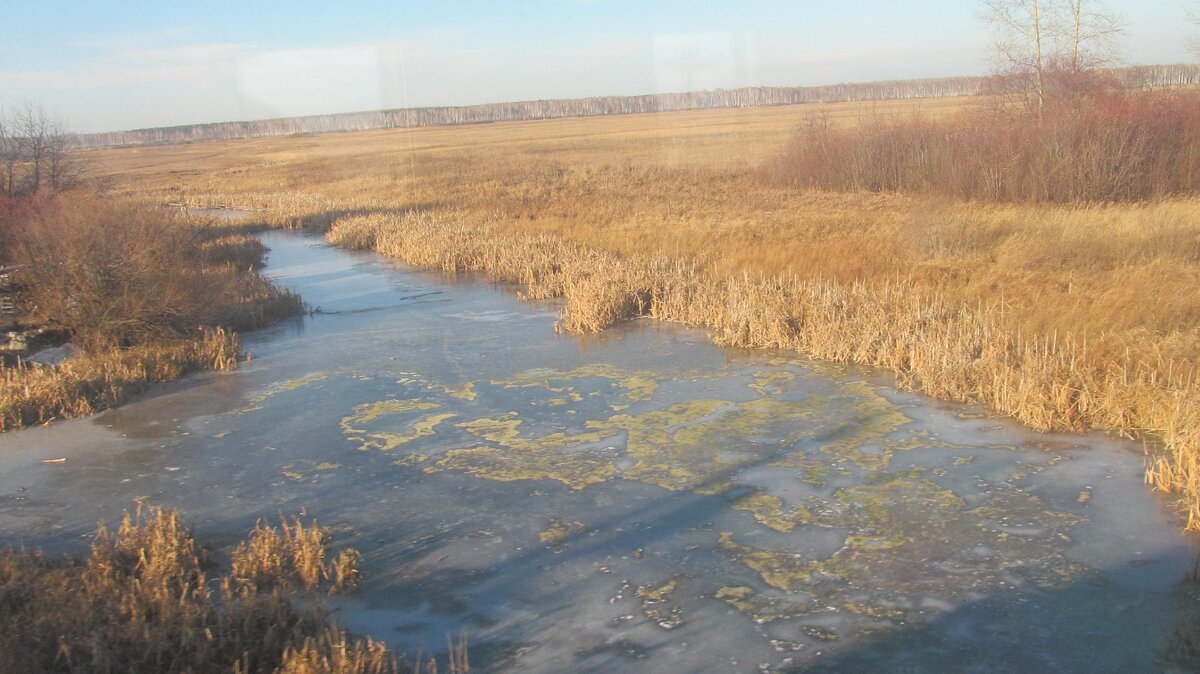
(559, 532)
(256, 402)
(737, 597)
(284, 386)
(464, 392)
(511, 456)
(897, 523)
(784, 570)
(770, 511)
(772, 383)
(354, 426)
(653, 599)
(761, 607)
(871, 419)
(410, 460)
(629, 387)
(681, 447)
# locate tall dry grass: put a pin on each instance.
(144, 601)
(147, 296)
(89, 383)
(117, 275)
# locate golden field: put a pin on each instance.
(1066, 317)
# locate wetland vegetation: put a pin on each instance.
(144, 294)
(643, 498)
(148, 598)
(1029, 252)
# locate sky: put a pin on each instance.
(103, 65)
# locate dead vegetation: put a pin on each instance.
(145, 600)
(1099, 145)
(946, 349)
(89, 383)
(147, 297)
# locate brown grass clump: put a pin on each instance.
(115, 275)
(83, 385)
(291, 556)
(143, 602)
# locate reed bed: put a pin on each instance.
(89, 383)
(144, 601)
(945, 349)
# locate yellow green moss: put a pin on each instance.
(559, 531)
(737, 597)
(784, 570)
(282, 386)
(769, 511)
(772, 383)
(354, 425)
(512, 456)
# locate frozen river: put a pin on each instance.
(637, 501)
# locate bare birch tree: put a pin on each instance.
(1194, 43)
(37, 152)
(1091, 34)
(9, 156)
(1023, 30)
(33, 132)
(1036, 39)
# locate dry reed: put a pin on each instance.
(86, 384)
(147, 296)
(143, 602)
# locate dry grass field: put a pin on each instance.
(1067, 317)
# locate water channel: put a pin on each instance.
(636, 501)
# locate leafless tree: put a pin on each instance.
(33, 133)
(1036, 39)
(9, 157)
(37, 152)
(1091, 33)
(1194, 16)
(1023, 40)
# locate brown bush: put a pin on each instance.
(115, 275)
(1085, 148)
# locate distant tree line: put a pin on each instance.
(36, 152)
(1137, 77)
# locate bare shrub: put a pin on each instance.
(113, 275)
(1098, 147)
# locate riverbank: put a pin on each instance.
(952, 352)
(142, 296)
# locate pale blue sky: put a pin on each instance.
(117, 65)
